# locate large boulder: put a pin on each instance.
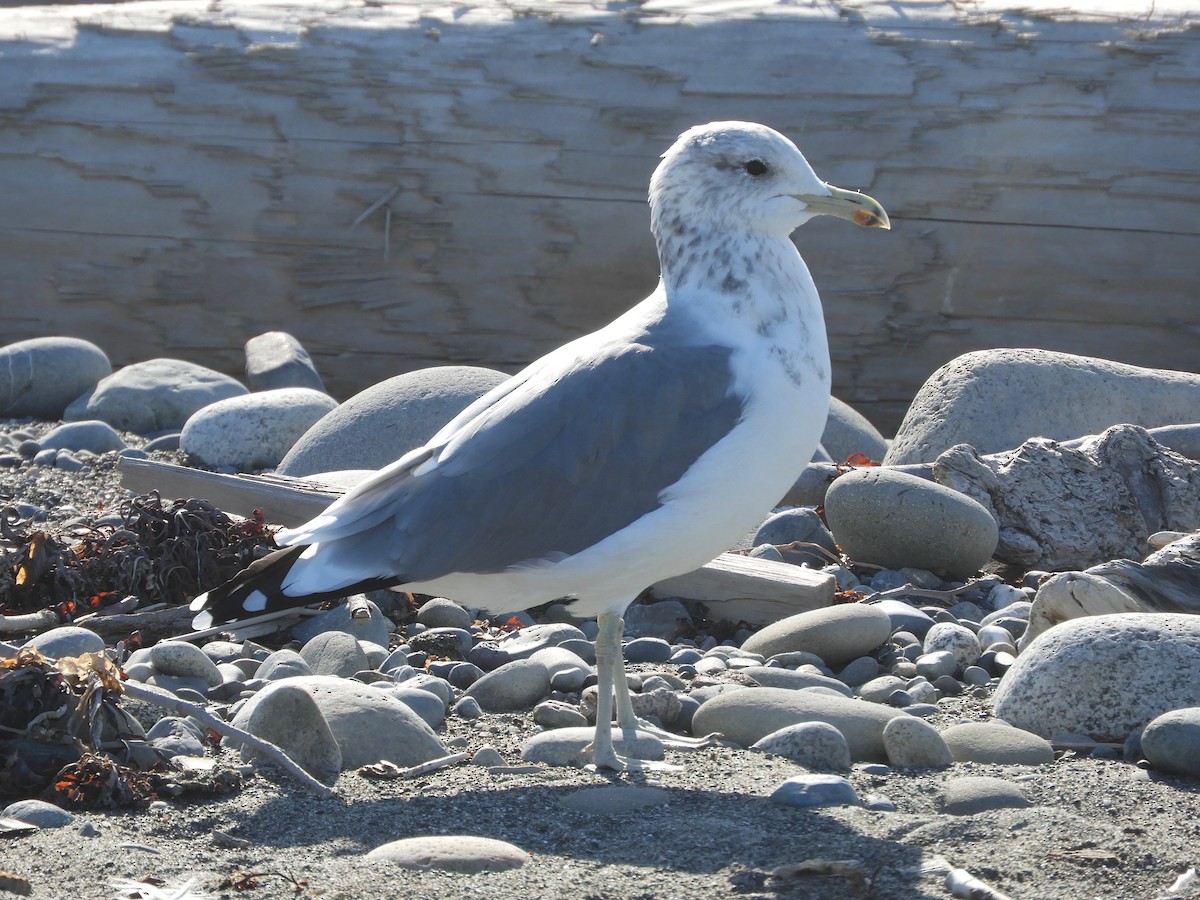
(252, 431)
(995, 399)
(382, 423)
(41, 376)
(151, 396)
(277, 360)
(1103, 676)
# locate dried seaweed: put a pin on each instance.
(156, 551)
(51, 712)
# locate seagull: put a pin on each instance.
(630, 455)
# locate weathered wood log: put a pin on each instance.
(405, 183)
(755, 591)
(1065, 507)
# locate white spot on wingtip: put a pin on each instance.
(202, 621)
(198, 604)
(256, 601)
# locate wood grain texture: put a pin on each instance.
(178, 177)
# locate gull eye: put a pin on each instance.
(754, 168)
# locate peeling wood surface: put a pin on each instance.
(178, 177)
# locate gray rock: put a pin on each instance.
(1171, 742)
(647, 650)
(912, 743)
(958, 640)
(937, 664)
(815, 745)
(275, 359)
(252, 431)
(522, 644)
(184, 660)
(890, 518)
(94, 436)
(746, 716)
(970, 794)
(282, 664)
(808, 791)
(995, 399)
(39, 377)
(65, 641)
(286, 714)
(367, 723)
(515, 685)
(426, 704)
(438, 612)
(837, 634)
(859, 671)
(464, 854)
(1103, 676)
(799, 524)
(175, 736)
(666, 619)
(794, 679)
(156, 395)
(385, 421)
(878, 690)
(847, 432)
(569, 746)
(567, 670)
(467, 708)
(556, 714)
(334, 653)
(998, 743)
(487, 757)
(373, 627)
(905, 617)
(37, 812)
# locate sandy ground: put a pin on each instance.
(1094, 829)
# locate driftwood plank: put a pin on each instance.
(755, 591)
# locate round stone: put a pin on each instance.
(514, 686)
(463, 854)
(815, 745)
(39, 377)
(893, 519)
(152, 396)
(808, 791)
(1171, 742)
(913, 743)
(383, 422)
(66, 641)
(998, 743)
(958, 640)
(184, 660)
(837, 634)
(252, 431)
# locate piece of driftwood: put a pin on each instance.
(1166, 581)
(756, 591)
(1064, 508)
(284, 501)
(401, 184)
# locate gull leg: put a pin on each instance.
(608, 661)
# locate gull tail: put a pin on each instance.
(259, 588)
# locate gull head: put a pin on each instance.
(743, 177)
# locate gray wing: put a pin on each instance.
(554, 468)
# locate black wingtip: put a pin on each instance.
(256, 589)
